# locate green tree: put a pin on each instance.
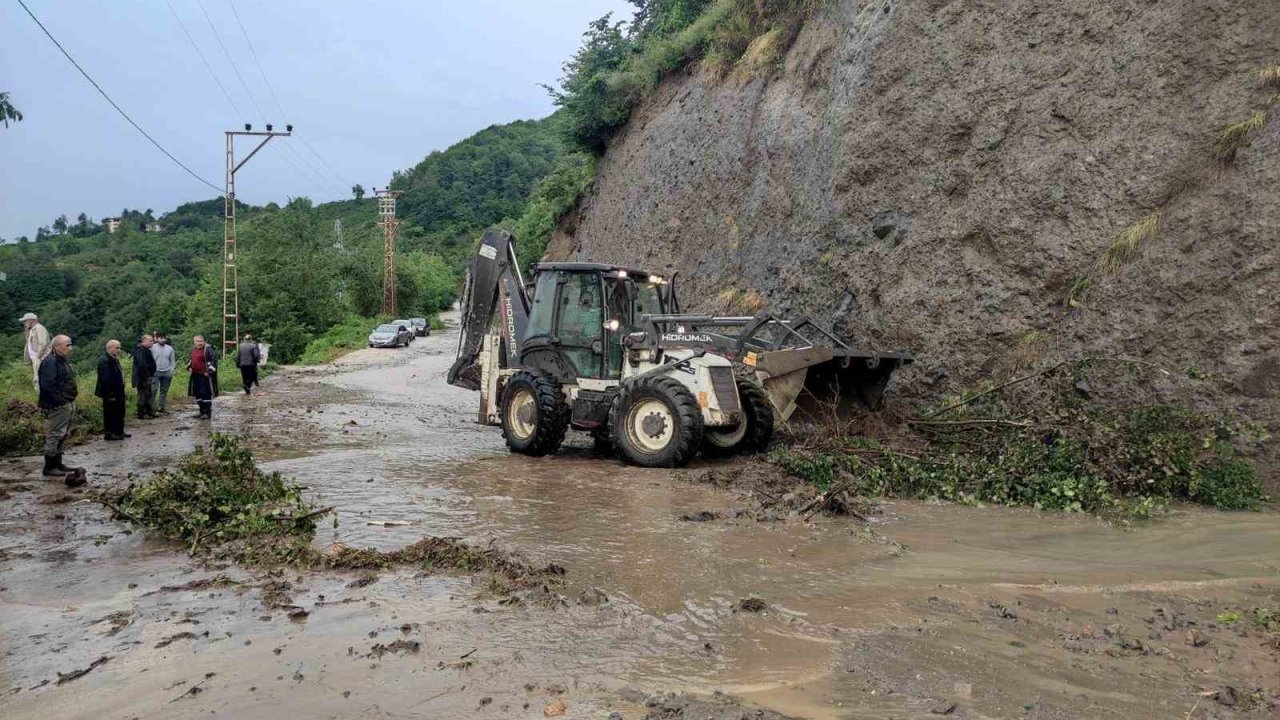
(358, 191)
(60, 225)
(7, 110)
(592, 110)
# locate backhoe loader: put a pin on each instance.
(605, 349)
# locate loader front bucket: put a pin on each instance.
(816, 383)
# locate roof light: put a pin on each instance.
(622, 273)
(612, 325)
(680, 329)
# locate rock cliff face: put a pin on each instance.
(938, 175)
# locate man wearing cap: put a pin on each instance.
(35, 344)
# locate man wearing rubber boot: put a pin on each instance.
(58, 400)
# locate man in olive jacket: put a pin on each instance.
(110, 388)
(144, 378)
(58, 401)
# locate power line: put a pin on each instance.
(320, 157)
(226, 53)
(104, 94)
(204, 60)
(312, 175)
(276, 98)
(257, 62)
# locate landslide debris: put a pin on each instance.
(219, 504)
(1058, 438)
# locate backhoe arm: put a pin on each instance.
(494, 299)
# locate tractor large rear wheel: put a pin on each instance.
(534, 413)
(656, 422)
(753, 433)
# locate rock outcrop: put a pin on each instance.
(944, 175)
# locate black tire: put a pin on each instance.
(602, 442)
(542, 431)
(757, 414)
(681, 421)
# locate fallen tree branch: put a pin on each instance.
(308, 516)
(1009, 423)
(1046, 371)
(1001, 386)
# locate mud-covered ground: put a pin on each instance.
(928, 611)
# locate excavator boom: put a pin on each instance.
(494, 296)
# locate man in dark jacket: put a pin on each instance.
(144, 377)
(58, 401)
(247, 358)
(110, 388)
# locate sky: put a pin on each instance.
(370, 87)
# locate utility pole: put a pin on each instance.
(230, 276)
(387, 214)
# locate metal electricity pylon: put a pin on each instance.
(230, 276)
(387, 219)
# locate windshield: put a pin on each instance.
(387, 328)
(648, 301)
(406, 323)
(419, 321)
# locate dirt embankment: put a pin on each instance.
(947, 177)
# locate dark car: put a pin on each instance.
(421, 327)
(390, 335)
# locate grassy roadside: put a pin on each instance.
(22, 425)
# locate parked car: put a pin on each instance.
(390, 335)
(421, 327)
(408, 325)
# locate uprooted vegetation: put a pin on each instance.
(1044, 439)
(219, 503)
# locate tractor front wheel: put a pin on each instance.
(534, 413)
(753, 433)
(656, 422)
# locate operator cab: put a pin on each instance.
(581, 312)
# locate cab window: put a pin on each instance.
(581, 321)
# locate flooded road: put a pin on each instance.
(932, 610)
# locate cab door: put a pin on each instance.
(579, 331)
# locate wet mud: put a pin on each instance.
(676, 587)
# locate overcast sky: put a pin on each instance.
(372, 86)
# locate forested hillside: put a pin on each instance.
(294, 281)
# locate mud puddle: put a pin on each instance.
(932, 610)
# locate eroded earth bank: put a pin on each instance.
(926, 611)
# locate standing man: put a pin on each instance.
(144, 378)
(165, 363)
(35, 344)
(203, 385)
(110, 388)
(58, 401)
(247, 358)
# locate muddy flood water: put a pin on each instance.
(929, 611)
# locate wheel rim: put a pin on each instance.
(522, 414)
(728, 438)
(650, 425)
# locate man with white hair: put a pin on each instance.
(35, 344)
(58, 401)
(110, 388)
